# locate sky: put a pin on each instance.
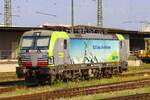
(124, 14)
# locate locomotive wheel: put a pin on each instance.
(99, 76)
(64, 76)
(76, 75)
(120, 70)
(86, 77)
(31, 78)
(78, 78)
(107, 73)
(116, 71)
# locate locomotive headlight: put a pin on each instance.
(51, 60)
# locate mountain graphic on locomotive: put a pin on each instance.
(46, 56)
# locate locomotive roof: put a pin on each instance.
(79, 36)
(94, 36)
(42, 33)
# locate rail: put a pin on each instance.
(144, 96)
(81, 91)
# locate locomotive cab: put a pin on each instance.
(39, 51)
(34, 50)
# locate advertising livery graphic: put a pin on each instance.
(93, 51)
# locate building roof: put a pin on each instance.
(19, 28)
(93, 29)
(77, 29)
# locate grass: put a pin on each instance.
(143, 66)
(7, 76)
(10, 79)
(128, 92)
(135, 69)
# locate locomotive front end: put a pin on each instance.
(34, 51)
(33, 57)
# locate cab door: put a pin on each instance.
(61, 52)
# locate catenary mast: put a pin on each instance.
(7, 13)
(99, 14)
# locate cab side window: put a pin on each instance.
(65, 44)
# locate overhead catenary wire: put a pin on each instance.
(43, 13)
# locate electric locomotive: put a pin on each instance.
(46, 56)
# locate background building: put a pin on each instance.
(10, 36)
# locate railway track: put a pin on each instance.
(82, 90)
(12, 85)
(7, 77)
(144, 96)
(6, 89)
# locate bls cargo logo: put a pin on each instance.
(115, 57)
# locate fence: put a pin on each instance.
(134, 53)
(8, 54)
